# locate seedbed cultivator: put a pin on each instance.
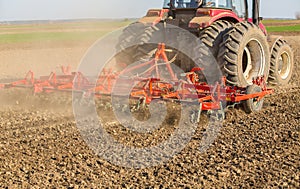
(149, 86)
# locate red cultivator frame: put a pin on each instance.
(148, 88)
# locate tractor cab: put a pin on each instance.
(237, 7)
(194, 4)
(195, 15)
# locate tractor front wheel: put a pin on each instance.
(282, 63)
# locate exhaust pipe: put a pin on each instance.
(255, 12)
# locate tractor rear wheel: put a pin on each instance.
(253, 105)
(212, 36)
(282, 63)
(147, 42)
(178, 39)
(245, 54)
(127, 44)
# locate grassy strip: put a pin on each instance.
(51, 36)
(37, 36)
(280, 22)
(293, 28)
(275, 21)
(91, 35)
(104, 24)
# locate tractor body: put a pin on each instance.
(243, 61)
(236, 39)
(196, 16)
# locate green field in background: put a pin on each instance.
(93, 24)
(25, 33)
(292, 28)
(49, 36)
(32, 33)
(274, 25)
(278, 21)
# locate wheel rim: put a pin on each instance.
(284, 67)
(253, 62)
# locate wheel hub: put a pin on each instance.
(284, 66)
(248, 64)
(253, 61)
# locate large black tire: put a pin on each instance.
(145, 41)
(252, 105)
(127, 44)
(178, 39)
(245, 54)
(282, 63)
(148, 42)
(212, 36)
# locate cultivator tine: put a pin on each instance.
(146, 89)
(196, 115)
(199, 113)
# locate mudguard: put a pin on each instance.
(154, 16)
(205, 17)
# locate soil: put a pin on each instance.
(41, 147)
(41, 58)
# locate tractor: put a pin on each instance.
(237, 40)
(226, 61)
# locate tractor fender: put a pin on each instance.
(154, 16)
(261, 26)
(205, 18)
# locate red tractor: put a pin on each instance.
(238, 42)
(223, 55)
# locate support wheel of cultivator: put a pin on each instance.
(245, 54)
(253, 104)
(282, 63)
